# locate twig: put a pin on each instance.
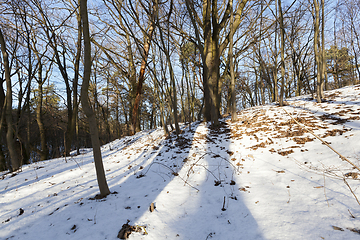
(174, 173)
(223, 208)
(208, 171)
(351, 191)
(351, 214)
(312, 133)
(76, 162)
(194, 164)
(325, 192)
(95, 216)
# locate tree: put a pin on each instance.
(282, 53)
(350, 19)
(10, 135)
(100, 173)
(166, 49)
(317, 50)
(153, 11)
(44, 152)
(340, 66)
(231, 62)
(212, 48)
(57, 42)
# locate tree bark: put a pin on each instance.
(212, 61)
(94, 132)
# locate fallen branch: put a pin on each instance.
(312, 133)
(347, 184)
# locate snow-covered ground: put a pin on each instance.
(263, 177)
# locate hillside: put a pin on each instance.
(263, 177)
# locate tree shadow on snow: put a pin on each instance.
(213, 208)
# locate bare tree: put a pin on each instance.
(212, 47)
(231, 62)
(10, 135)
(317, 51)
(282, 53)
(100, 173)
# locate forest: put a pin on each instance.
(67, 80)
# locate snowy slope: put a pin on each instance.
(263, 177)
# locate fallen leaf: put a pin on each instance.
(337, 228)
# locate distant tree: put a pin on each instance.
(350, 30)
(340, 66)
(51, 22)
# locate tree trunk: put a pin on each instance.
(275, 77)
(232, 71)
(211, 65)
(94, 132)
(316, 50)
(3, 166)
(323, 58)
(71, 126)
(282, 52)
(211, 49)
(172, 79)
(10, 137)
(135, 112)
(132, 79)
(44, 149)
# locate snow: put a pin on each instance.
(263, 177)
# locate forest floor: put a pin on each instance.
(263, 177)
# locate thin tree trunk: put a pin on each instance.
(282, 52)
(71, 127)
(276, 91)
(323, 59)
(172, 79)
(232, 71)
(44, 149)
(3, 164)
(94, 132)
(132, 78)
(316, 50)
